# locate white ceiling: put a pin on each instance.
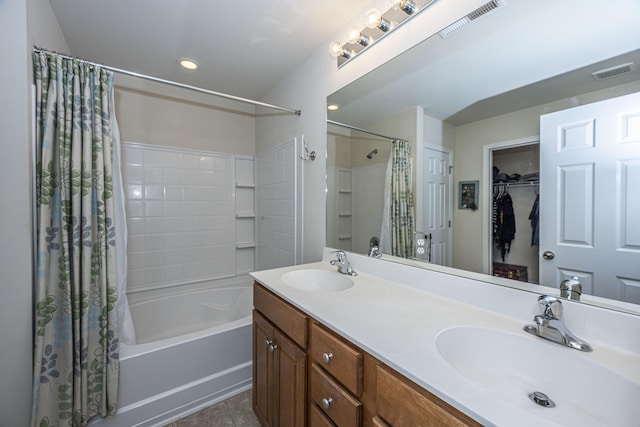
(244, 48)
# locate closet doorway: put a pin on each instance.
(512, 173)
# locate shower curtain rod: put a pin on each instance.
(344, 125)
(177, 84)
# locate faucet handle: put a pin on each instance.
(551, 307)
(341, 255)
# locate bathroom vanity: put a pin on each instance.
(403, 346)
(346, 385)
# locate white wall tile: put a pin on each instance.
(180, 215)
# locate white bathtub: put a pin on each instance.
(194, 350)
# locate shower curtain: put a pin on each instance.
(79, 232)
(396, 235)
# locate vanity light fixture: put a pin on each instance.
(377, 26)
(188, 64)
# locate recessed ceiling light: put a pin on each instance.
(332, 107)
(187, 63)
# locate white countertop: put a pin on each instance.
(398, 323)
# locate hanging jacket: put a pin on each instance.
(506, 224)
(533, 217)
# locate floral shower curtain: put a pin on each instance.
(397, 220)
(76, 365)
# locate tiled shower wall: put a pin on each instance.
(180, 215)
(276, 207)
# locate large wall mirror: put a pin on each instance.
(470, 104)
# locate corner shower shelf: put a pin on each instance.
(245, 225)
(245, 245)
(344, 214)
(344, 237)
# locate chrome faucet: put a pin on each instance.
(374, 247)
(550, 325)
(342, 263)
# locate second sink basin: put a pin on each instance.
(510, 367)
(316, 280)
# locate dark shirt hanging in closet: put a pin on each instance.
(504, 223)
(533, 217)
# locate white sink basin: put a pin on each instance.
(312, 280)
(510, 367)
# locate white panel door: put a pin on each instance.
(590, 209)
(436, 205)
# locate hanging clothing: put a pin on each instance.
(504, 227)
(533, 217)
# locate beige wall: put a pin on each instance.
(151, 113)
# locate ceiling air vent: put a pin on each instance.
(614, 71)
(481, 11)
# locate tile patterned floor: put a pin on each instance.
(233, 412)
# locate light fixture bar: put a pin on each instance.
(377, 26)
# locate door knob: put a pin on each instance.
(548, 255)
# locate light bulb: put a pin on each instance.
(373, 18)
(353, 35)
(335, 49)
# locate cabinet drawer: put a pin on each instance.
(401, 405)
(343, 361)
(287, 318)
(317, 418)
(337, 403)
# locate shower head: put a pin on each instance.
(370, 155)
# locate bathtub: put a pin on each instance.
(193, 350)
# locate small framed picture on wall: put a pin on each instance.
(468, 195)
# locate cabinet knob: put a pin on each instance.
(327, 402)
(326, 357)
(272, 347)
(267, 343)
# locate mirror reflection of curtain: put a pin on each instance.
(398, 216)
(76, 336)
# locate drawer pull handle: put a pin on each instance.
(326, 357)
(273, 347)
(327, 402)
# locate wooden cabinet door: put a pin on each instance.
(290, 385)
(263, 384)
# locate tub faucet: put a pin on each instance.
(342, 263)
(550, 325)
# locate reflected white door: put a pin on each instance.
(589, 203)
(436, 205)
